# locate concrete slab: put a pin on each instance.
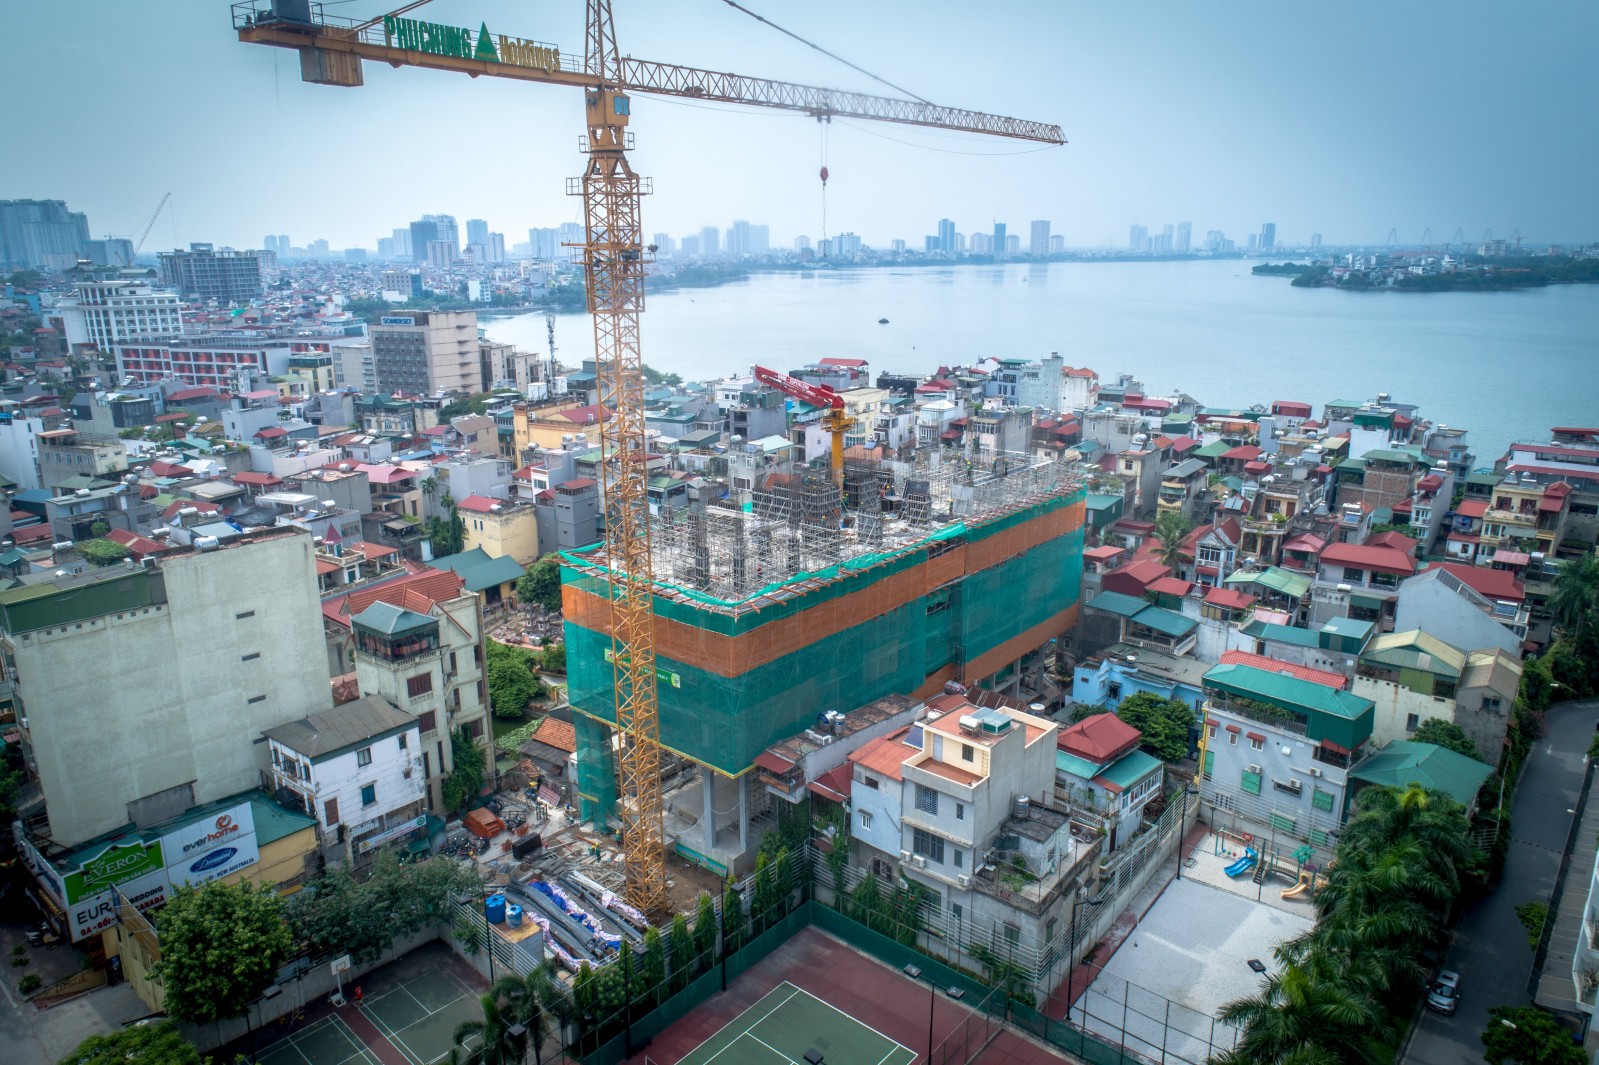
(1158, 995)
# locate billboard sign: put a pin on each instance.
(184, 844)
(93, 915)
(215, 863)
(117, 864)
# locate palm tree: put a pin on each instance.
(491, 1035)
(1575, 599)
(1296, 1011)
(534, 1001)
(1170, 528)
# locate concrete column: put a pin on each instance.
(744, 813)
(708, 816)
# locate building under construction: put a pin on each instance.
(789, 598)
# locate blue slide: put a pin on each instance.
(1244, 864)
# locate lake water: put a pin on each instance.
(1505, 365)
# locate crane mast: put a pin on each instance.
(614, 260)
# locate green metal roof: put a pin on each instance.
(1066, 762)
(1287, 691)
(1289, 634)
(274, 822)
(1405, 762)
(1484, 477)
(1356, 403)
(1213, 450)
(1104, 500)
(392, 620)
(1116, 603)
(1338, 716)
(1165, 621)
(1368, 600)
(1130, 768)
(1348, 628)
(1391, 455)
(1185, 468)
(1223, 412)
(1416, 650)
(1293, 585)
(1352, 464)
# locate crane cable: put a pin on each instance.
(812, 44)
(824, 122)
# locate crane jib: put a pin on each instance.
(457, 42)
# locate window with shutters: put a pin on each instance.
(926, 800)
(330, 811)
(1250, 782)
(420, 684)
(427, 722)
(1321, 800)
(363, 757)
(369, 794)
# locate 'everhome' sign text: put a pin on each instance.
(459, 43)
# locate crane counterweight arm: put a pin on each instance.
(329, 46)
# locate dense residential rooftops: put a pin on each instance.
(1324, 677)
(1379, 558)
(1288, 692)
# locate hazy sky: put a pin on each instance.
(1341, 118)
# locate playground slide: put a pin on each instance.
(1244, 864)
(1298, 889)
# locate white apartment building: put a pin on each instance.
(19, 447)
(962, 795)
(418, 643)
(108, 313)
(137, 688)
(357, 769)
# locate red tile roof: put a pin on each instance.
(371, 552)
(272, 432)
(1229, 599)
(1305, 542)
(1325, 677)
(833, 784)
(886, 755)
(260, 480)
(558, 734)
(1372, 557)
(138, 546)
(833, 360)
(429, 586)
(1171, 586)
(1246, 452)
(589, 415)
(1396, 540)
(1492, 583)
(478, 504)
(1100, 738)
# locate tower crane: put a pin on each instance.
(834, 420)
(145, 235)
(331, 50)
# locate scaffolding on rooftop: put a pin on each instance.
(790, 520)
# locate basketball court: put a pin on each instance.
(403, 1020)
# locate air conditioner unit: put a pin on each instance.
(904, 856)
(1295, 783)
(964, 880)
(1253, 769)
(918, 860)
(1315, 771)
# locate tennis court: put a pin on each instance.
(407, 1017)
(790, 1026)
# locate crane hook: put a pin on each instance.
(824, 176)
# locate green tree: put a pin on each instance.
(1165, 723)
(1526, 1035)
(535, 1001)
(1293, 1010)
(553, 658)
(102, 552)
(1170, 528)
(512, 684)
(682, 951)
(394, 901)
(447, 534)
(466, 778)
(221, 946)
(460, 408)
(487, 1040)
(705, 930)
(732, 921)
(1574, 602)
(649, 981)
(1532, 916)
(1448, 735)
(541, 583)
(151, 1044)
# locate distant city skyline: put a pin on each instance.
(1225, 143)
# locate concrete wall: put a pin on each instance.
(1395, 704)
(244, 622)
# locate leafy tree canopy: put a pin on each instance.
(512, 684)
(340, 916)
(541, 583)
(150, 1044)
(221, 946)
(1526, 1035)
(1164, 723)
(1448, 735)
(102, 552)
